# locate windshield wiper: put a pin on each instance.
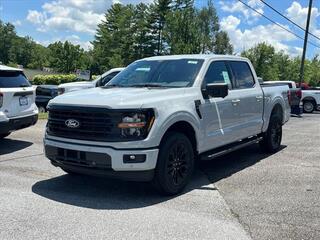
(24, 85)
(111, 86)
(148, 85)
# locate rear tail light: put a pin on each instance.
(1, 99)
(299, 93)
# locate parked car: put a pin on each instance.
(295, 96)
(100, 81)
(311, 100)
(17, 101)
(44, 93)
(159, 115)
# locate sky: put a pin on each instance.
(47, 21)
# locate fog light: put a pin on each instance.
(134, 158)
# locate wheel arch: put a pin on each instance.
(184, 127)
(312, 99)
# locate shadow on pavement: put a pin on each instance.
(102, 193)
(226, 166)
(9, 146)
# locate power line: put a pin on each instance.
(288, 19)
(279, 25)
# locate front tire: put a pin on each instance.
(272, 138)
(175, 164)
(308, 106)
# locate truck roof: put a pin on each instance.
(6, 68)
(195, 56)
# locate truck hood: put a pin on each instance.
(119, 98)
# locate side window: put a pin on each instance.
(107, 78)
(218, 73)
(243, 75)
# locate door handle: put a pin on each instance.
(235, 102)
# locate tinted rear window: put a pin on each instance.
(243, 75)
(12, 79)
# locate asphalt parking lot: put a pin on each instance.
(246, 194)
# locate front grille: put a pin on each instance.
(96, 124)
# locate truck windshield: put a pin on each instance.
(13, 79)
(158, 73)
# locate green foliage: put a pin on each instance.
(131, 32)
(272, 65)
(222, 43)
(66, 57)
(54, 79)
(20, 50)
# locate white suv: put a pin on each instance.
(17, 101)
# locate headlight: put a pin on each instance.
(137, 124)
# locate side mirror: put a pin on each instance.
(216, 90)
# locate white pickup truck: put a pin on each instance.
(100, 81)
(160, 115)
(17, 101)
(311, 100)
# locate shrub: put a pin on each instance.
(55, 79)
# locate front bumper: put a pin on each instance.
(14, 124)
(101, 161)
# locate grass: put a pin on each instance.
(43, 115)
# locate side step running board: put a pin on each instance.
(230, 148)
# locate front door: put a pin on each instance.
(220, 115)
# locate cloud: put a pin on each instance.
(35, 17)
(247, 38)
(298, 14)
(81, 16)
(249, 15)
(17, 23)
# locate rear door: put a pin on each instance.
(18, 94)
(249, 97)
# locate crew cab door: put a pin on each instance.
(249, 96)
(220, 115)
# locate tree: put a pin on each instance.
(181, 30)
(159, 12)
(113, 44)
(143, 39)
(7, 36)
(262, 58)
(222, 43)
(208, 27)
(65, 57)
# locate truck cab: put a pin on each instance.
(161, 114)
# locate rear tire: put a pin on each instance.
(308, 106)
(175, 164)
(272, 138)
(4, 135)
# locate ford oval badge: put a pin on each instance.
(72, 123)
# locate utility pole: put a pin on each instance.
(305, 43)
